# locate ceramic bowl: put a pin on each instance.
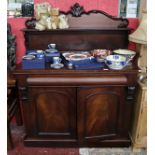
(116, 62)
(129, 54)
(100, 54)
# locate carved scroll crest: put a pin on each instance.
(76, 10)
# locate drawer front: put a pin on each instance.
(78, 80)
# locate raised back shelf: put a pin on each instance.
(88, 30)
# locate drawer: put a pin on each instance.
(78, 80)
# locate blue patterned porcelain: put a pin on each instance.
(40, 56)
(116, 62)
(129, 54)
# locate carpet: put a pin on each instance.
(111, 151)
(20, 149)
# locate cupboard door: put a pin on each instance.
(52, 112)
(100, 113)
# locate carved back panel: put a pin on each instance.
(88, 30)
(93, 18)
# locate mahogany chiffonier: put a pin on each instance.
(84, 108)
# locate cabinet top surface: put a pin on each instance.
(66, 71)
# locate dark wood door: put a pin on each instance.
(101, 114)
(51, 113)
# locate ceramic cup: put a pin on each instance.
(56, 60)
(51, 46)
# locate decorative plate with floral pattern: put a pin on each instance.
(76, 56)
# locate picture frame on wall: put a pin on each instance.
(129, 8)
(18, 8)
